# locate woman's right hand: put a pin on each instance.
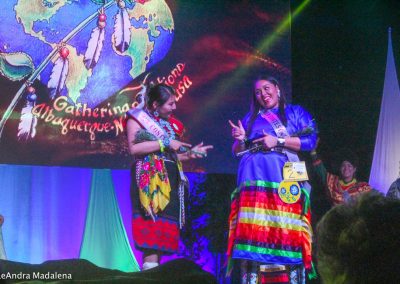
(238, 131)
(175, 145)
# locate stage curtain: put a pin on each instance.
(44, 210)
(54, 213)
(386, 162)
(45, 213)
(105, 242)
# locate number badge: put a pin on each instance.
(295, 171)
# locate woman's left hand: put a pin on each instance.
(199, 151)
(268, 141)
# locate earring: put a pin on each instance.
(156, 114)
(279, 93)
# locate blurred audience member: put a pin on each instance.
(359, 241)
(394, 190)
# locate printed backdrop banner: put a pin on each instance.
(69, 70)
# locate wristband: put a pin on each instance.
(314, 157)
(162, 147)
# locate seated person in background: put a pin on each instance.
(394, 190)
(359, 241)
(342, 187)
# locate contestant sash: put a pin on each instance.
(147, 123)
(282, 132)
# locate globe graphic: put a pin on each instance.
(36, 27)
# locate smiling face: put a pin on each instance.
(167, 108)
(347, 171)
(266, 94)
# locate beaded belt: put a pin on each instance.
(260, 148)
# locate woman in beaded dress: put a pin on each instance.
(157, 183)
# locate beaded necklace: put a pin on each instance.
(164, 124)
(167, 126)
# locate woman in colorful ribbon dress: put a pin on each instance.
(269, 228)
(344, 186)
(158, 182)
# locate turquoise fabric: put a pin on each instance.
(105, 242)
(45, 210)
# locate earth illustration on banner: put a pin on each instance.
(84, 50)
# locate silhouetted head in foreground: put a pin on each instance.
(359, 241)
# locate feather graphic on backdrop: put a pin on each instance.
(95, 45)
(28, 121)
(59, 74)
(122, 25)
(142, 94)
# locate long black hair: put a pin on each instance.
(255, 106)
(345, 154)
(159, 93)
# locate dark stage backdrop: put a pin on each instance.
(339, 51)
(86, 70)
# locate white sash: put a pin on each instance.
(282, 132)
(147, 123)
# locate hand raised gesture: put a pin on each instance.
(238, 131)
